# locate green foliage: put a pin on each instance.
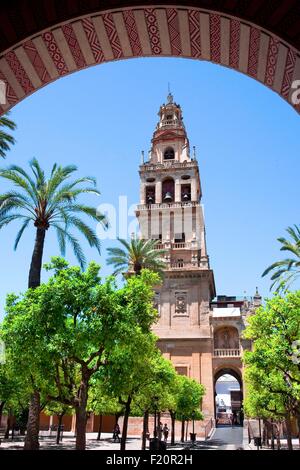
(56, 408)
(272, 374)
(51, 202)
(14, 394)
(72, 325)
(156, 393)
(6, 140)
(100, 401)
(189, 398)
(137, 368)
(286, 271)
(136, 255)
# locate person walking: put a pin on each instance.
(116, 433)
(159, 430)
(166, 432)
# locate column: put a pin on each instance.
(194, 190)
(158, 192)
(207, 379)
(177, 190)
(142, 193)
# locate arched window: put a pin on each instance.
(168, 189)
(169, 154)
(150, 194)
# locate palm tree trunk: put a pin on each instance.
(34, 279)
(33, 424)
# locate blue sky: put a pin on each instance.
(247, 141)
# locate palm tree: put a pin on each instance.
(6, 139)
(49, 203)
(285, 272)
(136, 255)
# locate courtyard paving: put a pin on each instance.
(222, 438)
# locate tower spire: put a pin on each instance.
(170, 96)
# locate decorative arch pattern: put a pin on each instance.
(148, 32)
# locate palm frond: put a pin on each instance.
(88, 233)
(51, 202)
(136, 253)
(21, 231)
(6, 140)
(284, 272)
(9, 218)
(74, 243)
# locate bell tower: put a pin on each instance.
(170, 211)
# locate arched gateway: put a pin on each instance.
(43, 41)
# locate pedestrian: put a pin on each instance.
(116, 433)
(159, 430)
(165, 432)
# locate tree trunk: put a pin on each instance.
(23, 421)
(125, 425)
(100, 428)
(58, 433)
(145, 429)
(2, 403)
(33, 424)
(182, 430)
(272, 435)
(34, 279)
(298, 423)
(81, 416)
(117, 416)
(278, 432)
(172, 428)
(186, 430)
(289, 432)
(8, 425)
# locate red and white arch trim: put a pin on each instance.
(156, 31)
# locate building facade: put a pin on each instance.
(199, 332)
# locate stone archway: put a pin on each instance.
(237, 375)
(40, 44)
